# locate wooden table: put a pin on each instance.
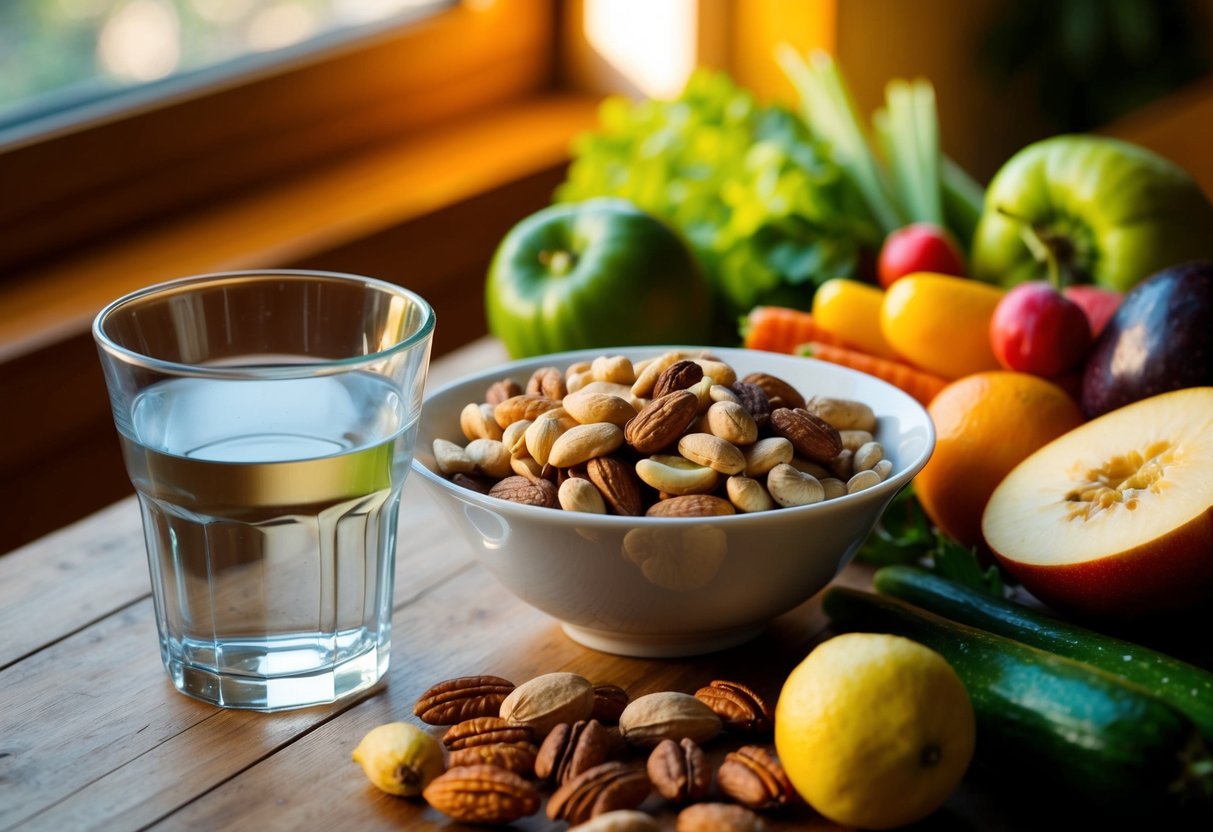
(93, 734)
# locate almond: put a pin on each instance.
(662, 421)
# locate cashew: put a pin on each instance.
(732, 422)
(867, 456)
(613, 368)
(712, 451)
(843, 414)
(748, 495)
(575, 381)
(490, 456)
(862, 480)
(834, 487)
(843, 465)
(703, 391)
(451, 458)
(575, 368)
(884, 468)
(853, 440)
(477, 422)
(720, 393)
(648, 370)
(790, 487)
(676, 475)
(576, 494)
(765, 454)
(809, 467)
(718, 371)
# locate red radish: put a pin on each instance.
(1098, 303)
(1036, 329)
(919, 247)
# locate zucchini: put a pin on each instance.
(1061, 723)
(1188, 688)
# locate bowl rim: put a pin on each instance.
(886, 489)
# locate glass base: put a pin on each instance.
(282, 692)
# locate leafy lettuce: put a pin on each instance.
(768, 212)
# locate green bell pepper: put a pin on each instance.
(1089, 209)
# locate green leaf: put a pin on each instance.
(952, 560)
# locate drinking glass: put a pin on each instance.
(267, 421)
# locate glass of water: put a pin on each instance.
(267, 421)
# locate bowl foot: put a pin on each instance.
(657, 645)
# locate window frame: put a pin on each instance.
(75, 186)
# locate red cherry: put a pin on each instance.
(919, 247)
(1036, 329)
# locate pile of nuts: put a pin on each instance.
(598, 754)
(677, 435)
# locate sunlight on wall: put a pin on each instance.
(649, 44)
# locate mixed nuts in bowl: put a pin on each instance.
(664, 501)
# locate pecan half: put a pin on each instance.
(754, 777)
(779, 392)
(465, 697)
(618, 484)
(603, 788)
(547, 381)
(609, 702)
(811, 436)
(518, 757)
(570, 749)
(501, 390)
(482, 794)
(680, 771)
(484, 730)
(678, 376)
(740, 709)
(659, 424)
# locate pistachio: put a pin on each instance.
(649, 719)
(548, 700)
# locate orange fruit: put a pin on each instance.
(941, 323)
(985, 425)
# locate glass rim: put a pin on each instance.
(258, 371)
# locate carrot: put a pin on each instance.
(918, 383)
(783, 329)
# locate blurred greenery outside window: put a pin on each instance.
(64, 60)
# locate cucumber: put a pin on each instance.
(1058, 722)
(1188, 688)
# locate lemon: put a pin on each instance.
(874, 731)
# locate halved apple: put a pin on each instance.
(1115, 518)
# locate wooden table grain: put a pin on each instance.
(94, 736)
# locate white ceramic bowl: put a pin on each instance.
(649, 586)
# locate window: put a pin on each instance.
(63, 60)
(84, 180)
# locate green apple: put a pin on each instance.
(1089, 209)
(598, 273)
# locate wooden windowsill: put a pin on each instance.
(294, 221)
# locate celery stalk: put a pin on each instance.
(963, 197)
(830, 113)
